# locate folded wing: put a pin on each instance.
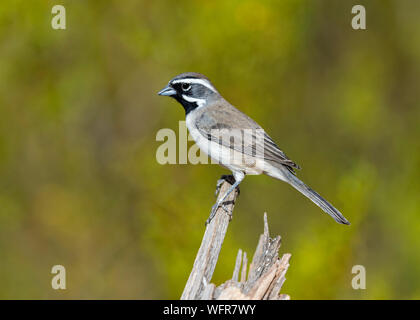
(231, 128)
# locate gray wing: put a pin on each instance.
(227, 125)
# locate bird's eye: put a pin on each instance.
(186, 86)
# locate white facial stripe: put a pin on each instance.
(200, 102)
(199, 81)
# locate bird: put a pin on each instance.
(236, 141)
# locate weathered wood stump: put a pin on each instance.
(266, 273)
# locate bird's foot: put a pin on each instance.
(214, 210)
(224, 207)
(212, 213)
(231, 180)
(228, 178)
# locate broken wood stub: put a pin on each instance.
(266, 273)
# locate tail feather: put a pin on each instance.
(316, 198)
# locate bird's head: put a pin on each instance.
(192, 90)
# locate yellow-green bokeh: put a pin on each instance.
(80, 185)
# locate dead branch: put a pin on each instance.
(266, 273)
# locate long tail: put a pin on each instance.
(316, 198)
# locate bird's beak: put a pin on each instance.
(167, 91)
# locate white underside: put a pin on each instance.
(229, 158)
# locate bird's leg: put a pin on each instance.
(237, 179)
(220, 202)
(229, 178)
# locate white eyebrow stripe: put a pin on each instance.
(199, 81)
(200, 102)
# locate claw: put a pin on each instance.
(218, 186)
(230, 213)
(212, 213)
(228, 178)
(231, 180)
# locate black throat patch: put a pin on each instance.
(188, 106)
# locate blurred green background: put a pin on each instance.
(80, 185)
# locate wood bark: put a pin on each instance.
(266, 273)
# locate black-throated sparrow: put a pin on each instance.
(234, 139)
